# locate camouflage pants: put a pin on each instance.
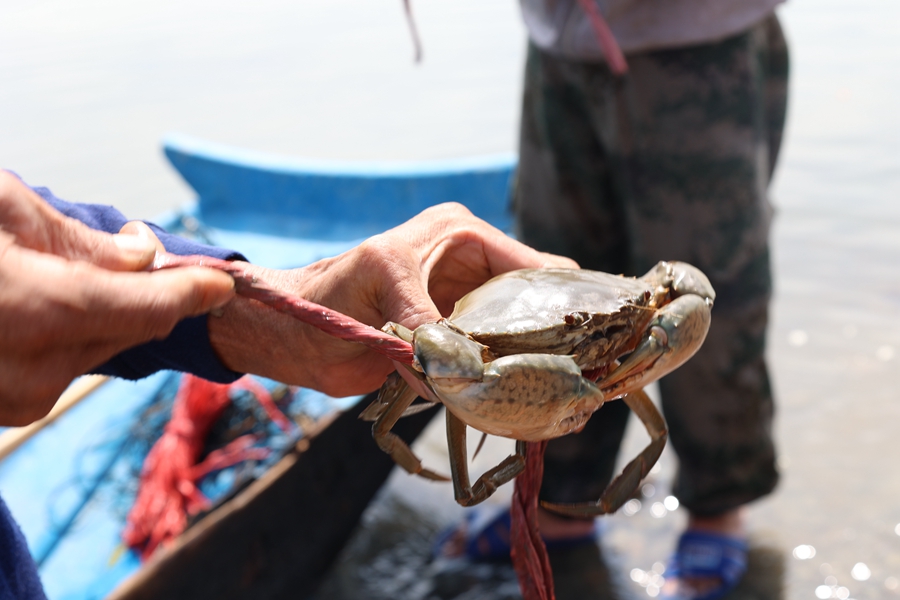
(671, 162)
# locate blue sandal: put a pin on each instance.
(702, 554)
(487, 537)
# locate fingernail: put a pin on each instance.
(134, 247)
(218, 306)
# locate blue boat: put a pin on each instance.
(70, 485)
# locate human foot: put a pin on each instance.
(710, 559)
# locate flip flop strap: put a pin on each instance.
(701, 554)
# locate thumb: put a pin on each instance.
(136, 236)
(35, 224)
(132, 249)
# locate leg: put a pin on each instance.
(707, 130)
(621, 489)
(565, 202)
(701, 140)
(467, 494)
(720, 407)
(391, 388)
(395, 403)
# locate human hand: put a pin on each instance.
(69, 303)
(411, 274)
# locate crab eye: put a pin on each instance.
(575, 319)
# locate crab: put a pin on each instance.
(531, 354)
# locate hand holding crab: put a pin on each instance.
(531, 354)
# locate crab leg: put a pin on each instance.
(400, 400)
(467, 494)
(391, 388)
(622, 487)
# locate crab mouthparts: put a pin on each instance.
(595, 374)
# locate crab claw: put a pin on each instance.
(674, 336)
(683, 279)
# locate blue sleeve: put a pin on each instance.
(18, 574)
(187, 348)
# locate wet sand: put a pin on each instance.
(90, 88)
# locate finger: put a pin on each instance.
(137, 307)
(122, 252)
(502, 254)
(38, 226)
(74, 302)
(449, 238)
(142, 230)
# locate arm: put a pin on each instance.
(89, 310)
(411, 274)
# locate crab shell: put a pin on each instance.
(542, 328)
(594, 317)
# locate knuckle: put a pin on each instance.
(10, 187)
(381, 249)
(449, 215)
(451, 209)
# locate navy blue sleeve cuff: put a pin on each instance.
(188, 347)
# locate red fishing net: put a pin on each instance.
(168, 494)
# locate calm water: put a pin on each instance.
(88, 88)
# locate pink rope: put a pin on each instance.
(608, 43)
(167, 493)
(328, 320)
(529, 553)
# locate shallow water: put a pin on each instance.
(89, 88)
